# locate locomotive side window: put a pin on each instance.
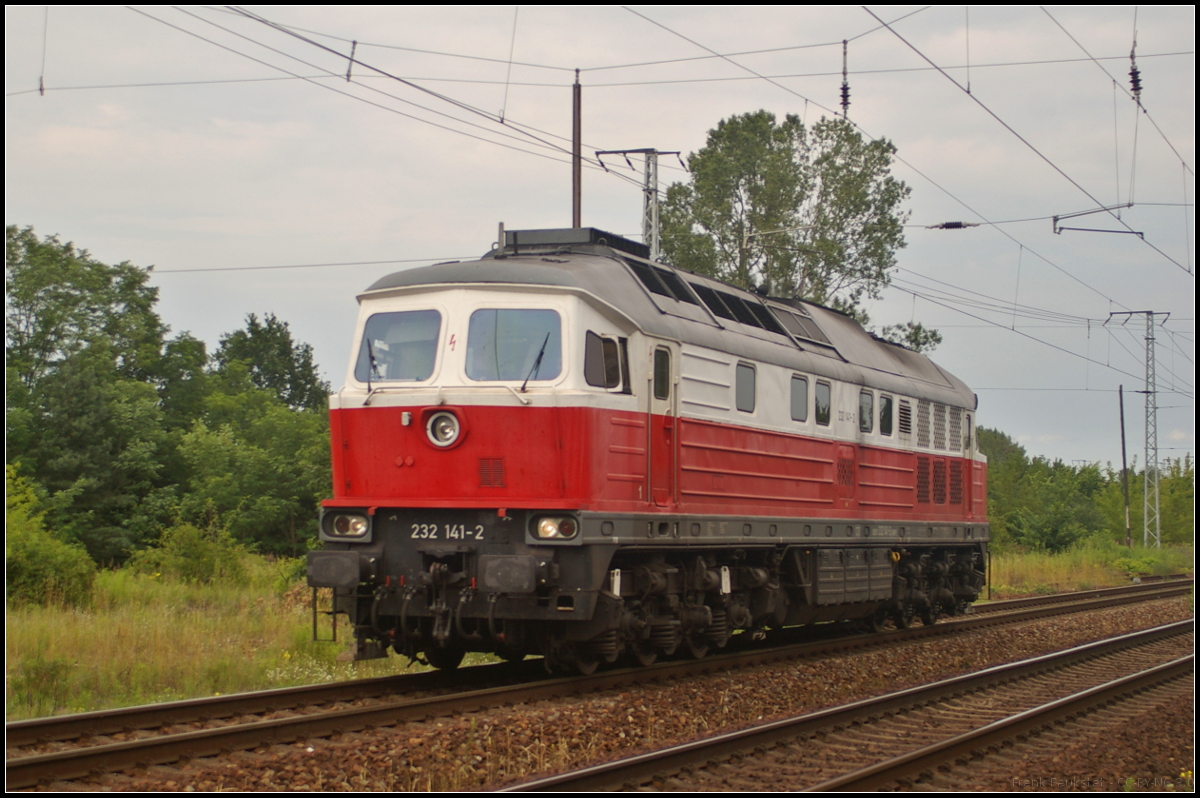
(662, 374)
(866, 411)
(601, 361)
(514, 344)
(885, 415)
(799, 399)
(399, 346)
(745, 388)
(823, 404)
(627, 383)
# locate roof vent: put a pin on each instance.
(517, 240)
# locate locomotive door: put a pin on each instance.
(662, 423)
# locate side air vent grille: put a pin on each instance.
(491, 472)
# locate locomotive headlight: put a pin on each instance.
(347, 525)
(556, 528)
(443, 429)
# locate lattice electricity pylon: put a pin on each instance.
(1151, 519)
(650, 227)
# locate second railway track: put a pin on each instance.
(872, 744)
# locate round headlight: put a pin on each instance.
(443, 429)
(557, 528)
(349, 525)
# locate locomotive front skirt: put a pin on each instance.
(566, 449)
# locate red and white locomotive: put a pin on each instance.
(566, 449)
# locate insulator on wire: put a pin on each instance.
(1135, 76)
(845, 83)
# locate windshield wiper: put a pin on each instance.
(537, 364)
(374, 369)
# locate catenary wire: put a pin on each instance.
(458, 103)
(1030, 337)
(1029, 144)
(363, 99)
(1122, 88)
(897, 156)
(310, 265)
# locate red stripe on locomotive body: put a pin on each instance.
(594, 459)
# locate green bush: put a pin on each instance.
(40, 568)
(190, 554)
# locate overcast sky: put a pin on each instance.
(183, 139)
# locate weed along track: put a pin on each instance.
(445, 732)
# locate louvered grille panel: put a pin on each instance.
(905, 417)
(491, 472)
(923, 480)
(939, 481)
(923, 424)
(956, 437)
(845, 471)
(939, 425)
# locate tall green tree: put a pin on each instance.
(275, 362)
(812, 214)
(256, 467)
(84, 349)
(59, 300)
(127, 433)
(96, 443)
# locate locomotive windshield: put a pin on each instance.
(399, 346)
(514, 344)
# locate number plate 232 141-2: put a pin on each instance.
(449, 531)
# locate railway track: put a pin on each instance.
(90, 742)
(895, 739)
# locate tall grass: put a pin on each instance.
(1092, 564)
(145, 639)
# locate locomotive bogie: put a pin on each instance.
(579, 453)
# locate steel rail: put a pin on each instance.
(24, 771)
(675, 758)
(888, 772)
(113, 721)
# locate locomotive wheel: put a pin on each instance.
(903, 616)
(878, 620)
(643, 655)
(586, 663)
(929, 616)
(695, 646)
(446, 659)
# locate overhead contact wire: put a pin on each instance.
(1026, 142)
(896, 155)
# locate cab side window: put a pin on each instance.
(866, 411)
(601, 361)
(799, 398)
(662, 374)
(823, 404)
